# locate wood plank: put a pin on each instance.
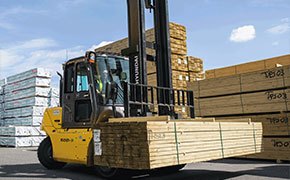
(273, 124)
(140, 119)
(259, 102)
(164, 143)
(248, 67)
(243, 83)
(274, 149)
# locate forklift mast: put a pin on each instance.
(138, 56)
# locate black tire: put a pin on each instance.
(114, 173)
(44, 154)
(167, 170)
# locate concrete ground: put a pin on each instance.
(23, 164)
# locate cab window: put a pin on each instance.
(69, 78)
(82, 78)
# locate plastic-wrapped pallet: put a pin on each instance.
(21, 131)
(31, 101)
(1, 98)
(1, 111)
(2, 82)
(54, 97)
(37, 72)
(21, 141)
(29, 92)
(23, 121)
(25, 98)
(24, 112)
(27, 83)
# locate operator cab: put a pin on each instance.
(90, 86)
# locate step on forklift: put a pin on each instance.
(97, 86)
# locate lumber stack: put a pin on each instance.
(263, 91)
(184, 68)
(149, 144)
(248, 67)
(274, 148)
(262, 95)
(24, 98)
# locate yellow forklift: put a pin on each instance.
(97, 87)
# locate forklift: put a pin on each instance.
(96, 87)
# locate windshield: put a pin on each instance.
(108, 69)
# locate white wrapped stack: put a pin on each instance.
(2, 84)
(24, 100)
(54, 97)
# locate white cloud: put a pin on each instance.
(281, 28)
(103, 43)
(37, 44)
(243, 34)
(33, 53)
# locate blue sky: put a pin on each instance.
(44, 33)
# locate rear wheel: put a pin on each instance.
(45, 157)
(167, 170)
(114, 173)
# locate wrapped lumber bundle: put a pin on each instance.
(29, 92)
(259, 102)
(30, 101)
(53, 100)
(153, 144)
(31, 120)
(249, 67)
(255, 92)
(261, 95)
(26, 97)
(2, 83)
(25, 111)
(276, 148)
(28, 83)
(21, 131)
(12, 141)
(37, 72)
(275, 124)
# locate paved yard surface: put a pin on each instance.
(23, 164)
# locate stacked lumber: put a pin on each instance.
(195, 68)
(263, 91)
(249, 67)
(24, 98)
(262, 95)
(184, 68)
(150, 144)
(274, 148)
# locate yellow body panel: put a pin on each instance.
(69, 145)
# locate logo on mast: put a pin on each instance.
(137, 74)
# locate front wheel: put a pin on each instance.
(45, 157)
(113, 173)
(167, 170)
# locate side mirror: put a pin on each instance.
(123, 76)
(111, 91)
